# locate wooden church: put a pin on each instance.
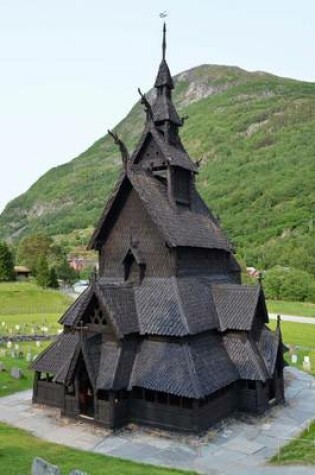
(165, 334)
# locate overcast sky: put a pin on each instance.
(70, 68)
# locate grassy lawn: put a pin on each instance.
(299, 451)
(301, 336)
(9, 385)
(26, 309)
(302, 309)
(27, 298)
(18, 448)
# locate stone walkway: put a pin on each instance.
(239, 446)
(293, 318)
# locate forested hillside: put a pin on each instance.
(255, 135)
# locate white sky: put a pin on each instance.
(69, 69)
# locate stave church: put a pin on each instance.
(165, 335)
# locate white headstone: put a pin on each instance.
(41, 467)
(294, 359)
(307, 363)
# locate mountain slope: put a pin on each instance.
(255, 133)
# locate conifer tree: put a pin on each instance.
(53, 281)
(6, 263)
(42, 272)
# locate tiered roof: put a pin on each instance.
(188, 336)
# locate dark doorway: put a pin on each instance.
(86, 395)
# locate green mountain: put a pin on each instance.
(255, 135)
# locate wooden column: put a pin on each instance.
(77, 395)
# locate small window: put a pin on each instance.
(97, 316)
(181, 186)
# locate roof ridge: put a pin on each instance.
(258, 360)
(192, 371)
(116, 366)
(180, 303)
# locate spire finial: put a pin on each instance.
(164, 41)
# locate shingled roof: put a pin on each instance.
(193, 227)
(116, 365)
(193, 369)
(164, 77)
(76, 310)
(173, 155)
(56, 359)
(268, 344)
(236, 305)
(163, 109)
(245, 356)
(171, 306)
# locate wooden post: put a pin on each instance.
(77, 395)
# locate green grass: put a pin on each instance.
(30, 307)
(9, 385)
(302, 309)
(26, 309)
(27, 298)
(300, 337)
(298, 334)
(18, 448)
(300, 451)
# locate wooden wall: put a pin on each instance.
(150, 155)
(134, 223)
(201, 261)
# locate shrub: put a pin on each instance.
(289, 283)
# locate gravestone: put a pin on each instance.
(2, 367)
(41, 467)
(28, 357)
(17, 373)
(307, 363)
(77, 472)
(294, 359)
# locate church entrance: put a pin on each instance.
(86, 395)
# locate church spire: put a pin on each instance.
(164, 77)
(164, 42)
(164, 112)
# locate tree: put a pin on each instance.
(288, 283)
(6, 263)
(42, 272)
(66, 273)
(53, 281)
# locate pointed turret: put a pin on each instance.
(164, 112)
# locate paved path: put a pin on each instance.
(293, 318)
(238, 446)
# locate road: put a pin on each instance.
(293, 318)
